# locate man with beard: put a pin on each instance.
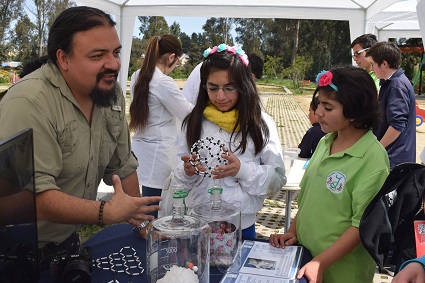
(77, 111)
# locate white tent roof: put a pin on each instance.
(385, 18)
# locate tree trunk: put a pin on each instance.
(295, 47)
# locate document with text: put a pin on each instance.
(262, 263)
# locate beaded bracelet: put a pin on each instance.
(102, 204)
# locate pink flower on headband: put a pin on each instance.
(244, 59)
(230, 49)
(324, 78)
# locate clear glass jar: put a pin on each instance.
(224, 220)
(178, 246)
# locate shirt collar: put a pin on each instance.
(358, 149)
(53, 74)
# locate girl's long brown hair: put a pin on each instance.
(157, 47)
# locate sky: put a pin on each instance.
(188, 25)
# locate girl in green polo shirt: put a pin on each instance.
(345, 172)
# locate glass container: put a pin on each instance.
(178, 246)
(224, 220)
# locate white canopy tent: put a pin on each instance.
(364, 16)
(420, 8)
(398, 20)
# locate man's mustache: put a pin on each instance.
(107, 72)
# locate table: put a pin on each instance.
(296, 172)
(113, 238)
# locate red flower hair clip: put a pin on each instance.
(324, 78)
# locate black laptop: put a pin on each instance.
(18, 219)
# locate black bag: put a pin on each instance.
(387, 222)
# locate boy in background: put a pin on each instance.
(313, 135)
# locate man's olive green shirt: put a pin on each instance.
(70, 154)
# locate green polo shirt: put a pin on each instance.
(70, 154)
(335, 191)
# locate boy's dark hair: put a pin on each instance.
(385, 51)
(314, 103)
(256, 64)
(248, 106)
(357, 94)
(365, 40)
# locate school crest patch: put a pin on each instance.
(335, 182)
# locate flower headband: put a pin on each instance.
(230, 49)
(324, 78)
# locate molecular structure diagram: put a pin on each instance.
(208, 154)
(125, 261)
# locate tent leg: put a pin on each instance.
(420, 83)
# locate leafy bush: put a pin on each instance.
(4, 77)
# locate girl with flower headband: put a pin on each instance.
(228, 108)
(345, 172)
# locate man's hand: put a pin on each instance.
(123, 207)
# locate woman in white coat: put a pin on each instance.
(156, 103)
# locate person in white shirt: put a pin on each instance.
(156, 103)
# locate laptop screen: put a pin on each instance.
(18, 219)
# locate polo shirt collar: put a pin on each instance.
(357, 150)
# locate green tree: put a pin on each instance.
(278, 40)
(250, 34)
(175, 29)
(296, 72)
(185, 40)
(9, 11)
(217, 31)
(153, 26)
(45, 11)
(25, 40)
(273, 67)
(328, 42)
(138, 48)
(197, 47)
